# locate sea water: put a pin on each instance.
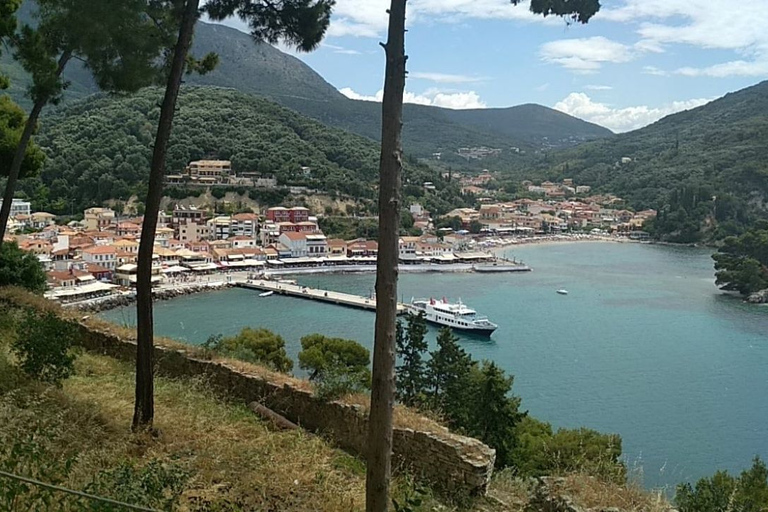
(644, 345)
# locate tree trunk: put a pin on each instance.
(390, 169)
(144, 408)
(21, 150)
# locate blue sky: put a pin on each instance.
(635, 62)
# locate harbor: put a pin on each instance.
(305, 292)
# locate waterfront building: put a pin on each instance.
(102, 255)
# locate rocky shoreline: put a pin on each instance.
(117, 301)
(760, 297)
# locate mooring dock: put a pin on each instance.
(305, 292)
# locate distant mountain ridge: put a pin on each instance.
(261, 69)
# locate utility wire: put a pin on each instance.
(76, 493)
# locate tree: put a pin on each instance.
(12, 117)
(255, 346)
(21, 268)
(741, 264)
(723, 492)
(379, 455)
(495, 412)
(411, 373)
(337, 366)
(321, 355)
(115, 39)
(301, 23)
(42, 347)
(449, 369)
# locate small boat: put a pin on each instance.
(562, 292)
(266, 294)
(457, 316)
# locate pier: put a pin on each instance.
(305, 292)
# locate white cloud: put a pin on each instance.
(585, 55)
(340, 49)
(620, 119)
(368, 18)
(706, 24)
(733, 68)
(446, 78)
(653, 70)
(598, 87)
(434, 97)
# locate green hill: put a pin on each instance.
(681, 162)
(99, 148)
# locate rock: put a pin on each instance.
(760, 297)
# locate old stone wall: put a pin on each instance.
(450, 462)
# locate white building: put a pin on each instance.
(317, 245)
(295, 242)
(19, 207)
(102, 255)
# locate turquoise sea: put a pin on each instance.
(644, 345)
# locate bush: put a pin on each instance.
(539, 451)
(254, 346)
(20, 268)
(721, 492)
(43, 347)
(155, 485)
(337, 366)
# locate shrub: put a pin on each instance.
(337, 366)
(540, 451)
(254, 346)
(20, 268)
(745, 493)
(155, 485)
(42, 347)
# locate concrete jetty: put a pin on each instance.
(305, 292)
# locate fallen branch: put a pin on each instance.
(268, 414)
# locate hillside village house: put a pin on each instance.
(184, 215)
(295, 214)
(96, 219)
(19, 207)
(209, 171)
(192, 232)
(102, 255)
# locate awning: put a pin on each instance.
(128, 267)
(85, 289)
(153, 279)
(174, 269)
(202, 267)
(86, 277)
(276, 263)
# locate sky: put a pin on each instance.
(633, 63)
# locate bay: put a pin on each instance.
(644, 345)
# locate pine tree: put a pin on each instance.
(494, 412)
(411, 373)
(116, 39)
(449, 370)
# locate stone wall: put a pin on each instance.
(449, 462)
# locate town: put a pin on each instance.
(97, 256)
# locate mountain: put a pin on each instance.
(259, 68)
(99, 148)
(681, 162)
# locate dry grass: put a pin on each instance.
(586, 491)
(231, 453)
(591, 492)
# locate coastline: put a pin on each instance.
(224, 280)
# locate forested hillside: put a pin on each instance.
(703, 165)
(99, 148)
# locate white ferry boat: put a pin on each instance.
(457, 316)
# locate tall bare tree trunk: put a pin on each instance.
(390, 169)
(21, 150)
(144, 408)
